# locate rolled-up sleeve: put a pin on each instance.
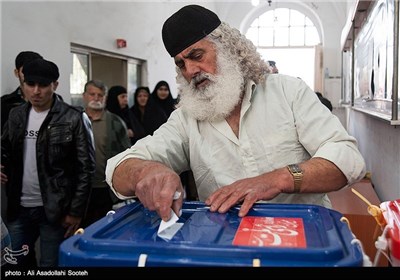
(168, 145)
(323, 135)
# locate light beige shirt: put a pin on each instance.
(282, 122)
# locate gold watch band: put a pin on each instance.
(297, 174)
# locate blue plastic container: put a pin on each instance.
(129, 238)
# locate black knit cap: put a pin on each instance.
(40, 71)
(187, 26)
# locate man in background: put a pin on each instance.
(48, 156)
(9, 101)
(272, 67)
(110, 138)
(324, 100)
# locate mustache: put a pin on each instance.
(96, 105)
(200, 78)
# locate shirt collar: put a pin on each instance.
(102, 117)
(250, 89)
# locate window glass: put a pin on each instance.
(287, 27)
(297, 36)
(287, 37)
(266, 37)
(297, 18)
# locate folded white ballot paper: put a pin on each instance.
(168, 229)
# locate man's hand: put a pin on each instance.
(246, 191)
(268, 185)
(71, 224)
(152, 182)
(156, 188)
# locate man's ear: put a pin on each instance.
(55, 85)
(16, 72)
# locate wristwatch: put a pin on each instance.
(297, 174)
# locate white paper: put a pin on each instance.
(168, 229)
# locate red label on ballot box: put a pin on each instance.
(270, 231)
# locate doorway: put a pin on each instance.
(111, 68)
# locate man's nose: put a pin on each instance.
(98, 97)
(192, 69)
(36, 89)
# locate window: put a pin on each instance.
(287, 37)
(370, 60)
(80, 72)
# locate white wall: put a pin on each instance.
(379, 143)
(50, 27)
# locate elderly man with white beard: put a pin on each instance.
(110, 137)
(247, 135)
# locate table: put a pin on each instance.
(362, 224)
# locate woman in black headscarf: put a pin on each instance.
(162, 96)
(150, 115)
(117, 103)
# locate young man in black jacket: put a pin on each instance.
(15, 98)
(48, 157)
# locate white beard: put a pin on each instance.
(216, 100)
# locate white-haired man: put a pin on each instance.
(247, 136)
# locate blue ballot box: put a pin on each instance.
(270, 235)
